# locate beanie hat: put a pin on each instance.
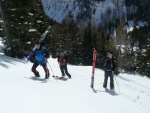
(110, 51)
(37, 42)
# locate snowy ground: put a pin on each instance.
(20, 92)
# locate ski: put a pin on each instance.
(43, 36)
(45, 33)
(60, 78)
(93, 69)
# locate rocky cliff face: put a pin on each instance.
(100, 12)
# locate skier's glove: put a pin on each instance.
(116, 72)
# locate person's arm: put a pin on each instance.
(101, 60)
(34, 48)
(46, 53)
(30, 55)
(115, 66)
(114, 61)
(58, 59)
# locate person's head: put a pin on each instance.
(38, 44)
(109, 53)
(61, 51)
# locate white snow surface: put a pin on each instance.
(21, 92)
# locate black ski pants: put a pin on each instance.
(109, 74)
(35, 65)
(64, 70)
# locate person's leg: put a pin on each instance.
(62, 70)
(105, 79)
(66, 71)
(111, 81)
(46, 70)
(35, 65)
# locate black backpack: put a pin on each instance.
(46, 51)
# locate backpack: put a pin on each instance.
(45, 50)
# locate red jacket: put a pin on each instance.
(62, 59)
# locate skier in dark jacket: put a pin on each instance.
(41, 55)
(110, 68)
(62, 60)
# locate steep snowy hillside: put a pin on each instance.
(100, 11)
(21, 92)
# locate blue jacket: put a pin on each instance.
(40, 58)
(41, 54)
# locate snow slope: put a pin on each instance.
(21, 92)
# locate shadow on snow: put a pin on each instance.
(43, 80)
(111, 92)
(5, 60)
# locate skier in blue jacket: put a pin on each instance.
(41, 54)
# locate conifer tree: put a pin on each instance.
(24, 21)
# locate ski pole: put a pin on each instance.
(117, 83)
(50, 68)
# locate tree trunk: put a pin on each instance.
(6, 22)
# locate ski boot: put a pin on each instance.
(69, 76)
(37, 74)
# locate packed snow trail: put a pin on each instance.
(21, 92)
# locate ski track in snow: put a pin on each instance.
(133, 85)
(20, 90)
